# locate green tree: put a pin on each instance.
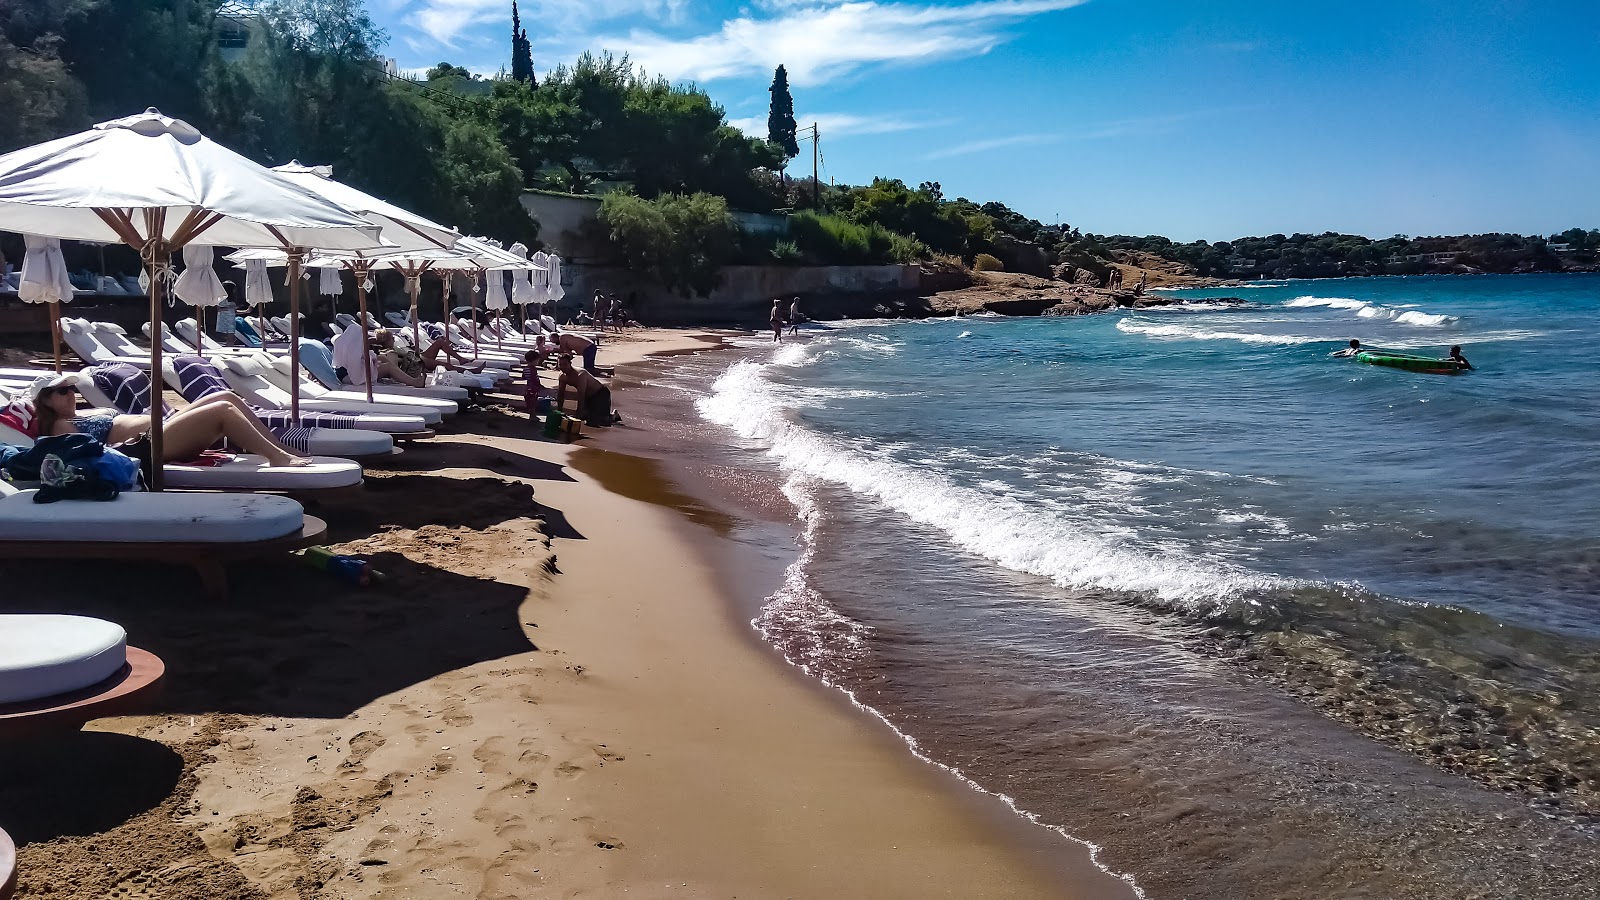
(780, 115)
(42, 98)
(521, 50)
(680, 241)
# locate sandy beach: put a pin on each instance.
(552, 694)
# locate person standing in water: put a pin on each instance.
(1352, 350)
(775, 321)
(794, 316)
(1458, 359)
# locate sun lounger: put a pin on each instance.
(8, 866)
(245, 472)
(58, 672)
(199, 530)
(316, 434)
(318, 360)
(432, 409)
(186, 328)
(89, 349)
(349, 403)
(243, 376)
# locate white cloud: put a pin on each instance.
(445, 21)
(986, 144)
(820, 41)
(835, 125)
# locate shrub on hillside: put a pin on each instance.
(680, 241)
(837, 241)
(986, 263)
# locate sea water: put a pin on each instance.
(1010, 523)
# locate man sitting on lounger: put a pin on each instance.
(53, 405)
(593, 398)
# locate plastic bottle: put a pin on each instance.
(345, 568)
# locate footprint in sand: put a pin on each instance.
(361, 747)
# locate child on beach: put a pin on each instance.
(534, 391)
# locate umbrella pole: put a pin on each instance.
(414, 284)
(472, 300)
(55, 333)
(157, 252)
(361, 271)
(199, 330)
(295, 256)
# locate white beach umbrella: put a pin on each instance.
(257, 290)
(44, 280)
(553, 267)
(522, 290)
(157, 184)
(199, 287)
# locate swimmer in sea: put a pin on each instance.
(1460, 361)
(1352, 350)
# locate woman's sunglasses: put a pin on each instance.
(62, 390)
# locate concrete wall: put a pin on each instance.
(746, 292)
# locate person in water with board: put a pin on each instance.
(1352, 350)
(1458, 359)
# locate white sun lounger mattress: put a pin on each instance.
(47, 656)
(141, 518)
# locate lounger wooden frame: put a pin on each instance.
(208, 559)
(129, 689)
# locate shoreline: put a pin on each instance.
(512, 713)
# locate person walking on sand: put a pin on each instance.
(794, 316)
(776, 321)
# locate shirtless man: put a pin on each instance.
(1352, 350)
(593, 398)
(571, 343)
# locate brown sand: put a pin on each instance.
(545, 698)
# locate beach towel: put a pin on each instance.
(347, 355)
(198, 378)
(127, 386)
(318, 360)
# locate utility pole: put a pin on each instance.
(816, 153)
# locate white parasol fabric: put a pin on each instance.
(553, 265)
(157, 184)
(494, 296)
(522, 290)
(257, 285)
(403, 229)
(541, 277)
(328, 283)
(199, 284)
(44, 272)
(147, 164)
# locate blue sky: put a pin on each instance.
(1189, 118)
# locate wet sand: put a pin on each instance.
(552, 694)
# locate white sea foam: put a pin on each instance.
(1368, 310)
(816, 638)
(1177, 331)
(964, 334)
(1014, 534)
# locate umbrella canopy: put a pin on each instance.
(405, 230)
(553, 273)
(158, 184)
(199, 284)
(151, 177)
(522, 290)
(44, 280)
(44, 272)
(328, 283)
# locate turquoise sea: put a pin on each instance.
(1009, 523)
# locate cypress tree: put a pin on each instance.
(780, 118)
(521, 49)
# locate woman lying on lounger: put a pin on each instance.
(186, 433)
